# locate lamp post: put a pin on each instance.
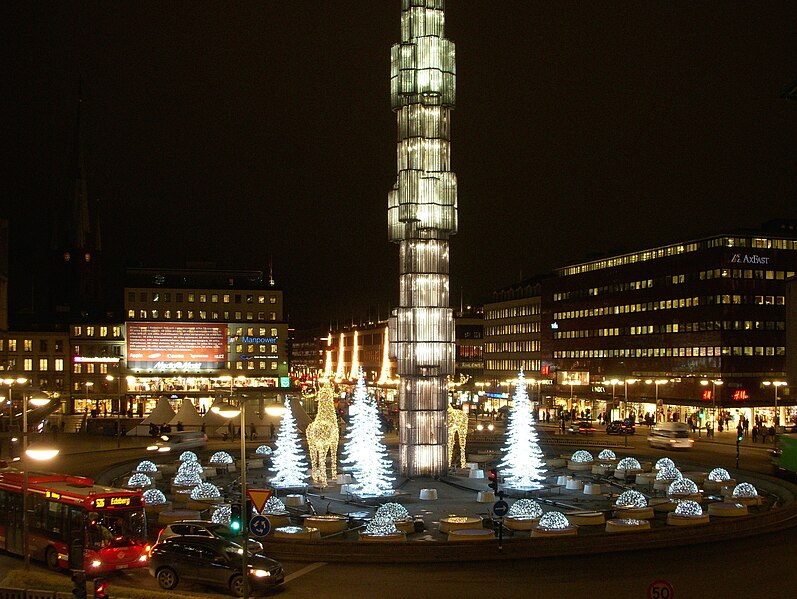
(657, 382)
(613, 383)
(230, 411)
(626, 382)
(714, 384)
(775, 385)
(35, 398)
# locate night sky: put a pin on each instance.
(235, 131)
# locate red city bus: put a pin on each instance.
(64, 511)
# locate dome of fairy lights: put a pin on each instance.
(146, 466)
(607, 454)
(581, 456)
(221, 457)
(662, 463)
(394, 511)
(683, 486)
(688, 508)
(154, 497)
(188, 456)
(190, 468)
(718, 475)
(525, 509)
(273, 505)
(187, 479)
(381, 526)
(629, 464)
(631, 499)
(554, 521)
(139, 480)
(745, 490)
(205, 491)
(669, 473)
(221, 515)
(263, 450)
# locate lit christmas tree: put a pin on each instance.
(288, 461)
(364, 449)
(523, 466)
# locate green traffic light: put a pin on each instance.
(235, 525)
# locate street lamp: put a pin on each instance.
(613, 383)
(229, 411)
(775, 385)
(714, 384)
(34, 398)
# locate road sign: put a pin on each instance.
(259, 526)
(500, 508)
(259, 497)
(660, 589)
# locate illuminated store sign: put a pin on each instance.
(176, 347)
(259, 340)
(749, 259)
(96, 360)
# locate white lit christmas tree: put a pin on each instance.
(364, 450)
(522, 466)
(288, 462)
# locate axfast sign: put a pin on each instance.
(753, 259)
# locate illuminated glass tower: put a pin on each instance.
(422, 215)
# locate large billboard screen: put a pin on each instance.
(176, 347)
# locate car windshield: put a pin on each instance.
(235, 551)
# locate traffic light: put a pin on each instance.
(100, 586)
(236, 517)
(492, 478)
(739, 435)
(79, 585)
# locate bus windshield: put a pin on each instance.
(116, 528)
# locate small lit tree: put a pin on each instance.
(288, 463)
(364, 449)
(523, 465)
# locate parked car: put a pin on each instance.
(581, 427)
(670, 435)
(203, 528)
(179, 441)
(621, 427)
(211, 561)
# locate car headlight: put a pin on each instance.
(260, 573)
(96, 563)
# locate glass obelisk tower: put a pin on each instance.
(422, 215)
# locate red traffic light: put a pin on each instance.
(492, 477)
(100, 586)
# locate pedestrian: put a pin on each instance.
(253, 431)
(180, 426)
(755, 434)
(746, 426)
(271, 430)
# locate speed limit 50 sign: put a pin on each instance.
(660, 589)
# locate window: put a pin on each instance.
(27, 364)
(142, 297)
(12, 345)
(191, 297)
(43, 365)
(131, 296)
(27, 345)
(59, 364)
(43, 345)
(103, 331)
(203, 298)
(272, 299)
(214, 298)
(226, 298)
(272, 316)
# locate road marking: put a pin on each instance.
(303, 571)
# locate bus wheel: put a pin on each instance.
(51, 558)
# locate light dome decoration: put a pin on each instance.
(381, 526)
(581, 457)
(154, 497)
(553, 521)
(263, 450)
(222, 515)
(394, 511)
(139, 480)
(205, 491)
(188, 456)
(629, 464)
(718, 475)
(607, 454)
(146, 466)
(631, 499)
(525, 509)
(683, 486)
(744, 490)
(273, 505)
(187, 479)
(688, 508)
(664, 463)
(190, 468)
(221, 457)
(669, 473)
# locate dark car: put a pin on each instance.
(581, 427)
(621, 427)
(211, 561)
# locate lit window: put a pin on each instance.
(59, 364)
(43, 365)
(27, 345)
(27, 364)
